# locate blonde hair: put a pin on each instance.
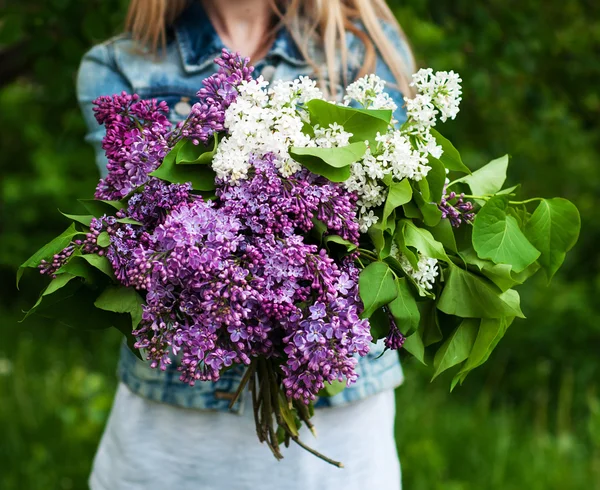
(326, 21)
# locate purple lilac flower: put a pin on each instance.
(394, 340)
(135, 142)
(458, 212)
(233, 279)
(267, 203)
(208, 116)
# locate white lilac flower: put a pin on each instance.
(366, 221)
(369, 92)
(296, 92)
(396, 152)
(332, 137)
(264, 120)
(427, 145)
(443, 88)
(426, 272)
(421, 111)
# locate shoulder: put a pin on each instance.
(106, 52)
(149, 75)
(101, 70)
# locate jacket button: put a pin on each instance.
(268, 72)
(183, 107)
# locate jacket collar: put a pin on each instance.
(199, 44)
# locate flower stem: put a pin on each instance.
(515, 203)
(265, 387)
(367, 253)
(316, 453)
(247, 375)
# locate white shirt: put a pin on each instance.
(148, 445)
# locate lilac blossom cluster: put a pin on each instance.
(231, 279)
(394, 339)
(207, 116)
(221, 295)
(458, 212)
(135, 143)
(271, 204)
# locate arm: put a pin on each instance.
(98, 75)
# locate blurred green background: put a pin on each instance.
(529, 419)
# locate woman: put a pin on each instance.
(163, 433)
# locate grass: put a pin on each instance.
(56, 391)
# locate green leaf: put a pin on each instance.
(120, 299)
(287, 415)
(187, 153)
(487, 329)
(99, 262)
(348, 245)
(497, 236)
(404, 308)
(520, 214)
(469, 296)
(399, 238)
(319, 229)
(364, 124)
(423, 187)
(379, 231)
(491, 330)
(399, 193)
(414, 345)
(553, 229)
(509, 190)
(103, 239)
(84, 219)
(79, 268)
(430, 213)
(436, 177)
(57, 283)
(451, 157)
(412, 211)
(129, 221)
(99, 207)
(423, 241)
(377, 287)
(395, 264)
(331, 163)
(456, 348)
(380, 324)
(49, 250)
(429, 325)
(489, 179)
(202, 177)
(332, 389)
(501, 275)
(76, 309)
(443, 232)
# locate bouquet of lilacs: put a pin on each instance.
(279, 231)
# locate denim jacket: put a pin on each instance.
(175, 76)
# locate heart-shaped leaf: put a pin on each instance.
(469, 296)
(377, 287)
(497, 236)
(457, 347)
(489, 179)
(553, 229)
(332, 163)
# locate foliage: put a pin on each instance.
(530, 82)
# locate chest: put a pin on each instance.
(164, 77)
